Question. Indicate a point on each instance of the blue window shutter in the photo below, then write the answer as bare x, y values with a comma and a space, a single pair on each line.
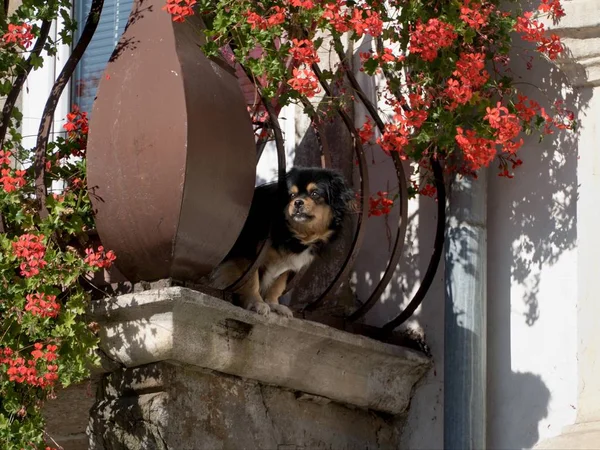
89, 70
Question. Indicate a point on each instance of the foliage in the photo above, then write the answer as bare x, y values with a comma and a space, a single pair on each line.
449, 94
45, 341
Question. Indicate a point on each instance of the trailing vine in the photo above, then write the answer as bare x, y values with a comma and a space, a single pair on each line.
45, 249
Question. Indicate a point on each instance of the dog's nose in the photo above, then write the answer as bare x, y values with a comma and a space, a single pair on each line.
298, 203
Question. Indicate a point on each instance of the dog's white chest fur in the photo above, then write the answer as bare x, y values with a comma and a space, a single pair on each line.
293, 262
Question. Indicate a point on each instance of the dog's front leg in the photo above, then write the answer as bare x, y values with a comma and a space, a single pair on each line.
250, 297
274, 292
249, 293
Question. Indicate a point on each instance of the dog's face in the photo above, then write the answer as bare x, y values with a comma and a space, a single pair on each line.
318, 199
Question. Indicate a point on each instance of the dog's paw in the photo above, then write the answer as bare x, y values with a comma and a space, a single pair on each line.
282, 310
259, 307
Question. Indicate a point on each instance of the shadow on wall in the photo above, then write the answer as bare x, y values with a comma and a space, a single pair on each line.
531, 224
521, 398
115, 420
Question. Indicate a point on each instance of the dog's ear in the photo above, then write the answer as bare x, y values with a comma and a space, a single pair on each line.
341, 197
341, 191
353, 204
291, 175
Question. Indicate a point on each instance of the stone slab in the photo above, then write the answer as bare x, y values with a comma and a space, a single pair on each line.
579, 30
185, 326
164, 406
582, 436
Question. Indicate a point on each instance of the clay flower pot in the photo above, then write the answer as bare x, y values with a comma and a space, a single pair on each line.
171, 154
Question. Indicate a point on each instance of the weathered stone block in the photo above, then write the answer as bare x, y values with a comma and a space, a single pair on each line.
67, 416
165, 406
179, 324
198, 372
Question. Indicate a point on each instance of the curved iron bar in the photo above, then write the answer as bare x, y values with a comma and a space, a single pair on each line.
260, 147
438, 240
403, 192
326, 162
319, 131
13, 95
281, 172
435, 257
364, 188
59, 85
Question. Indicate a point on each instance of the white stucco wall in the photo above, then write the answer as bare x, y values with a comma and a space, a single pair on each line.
534, 280
37, 89
532, 298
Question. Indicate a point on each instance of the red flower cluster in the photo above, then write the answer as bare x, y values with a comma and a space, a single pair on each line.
306, 4
396, 134
504, 172
477, 151
39, 353
475, 14
427, 39
100, 258
534, 31
506, 127
380, 204
366, 132
77, 128
5, 157
386, 57
470, 69
12, 180
31, 249
19, 34
553, 7
525, 111
470, 74
333, 14
366, 22
180, 9
278, 16
305, 82
457, 94
257, 21
304, 52
428, 190
360, 20
394, 139
42, 305
35, 371
551, 46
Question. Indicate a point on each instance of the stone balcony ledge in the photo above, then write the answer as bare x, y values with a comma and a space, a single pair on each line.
179, 325
579, 30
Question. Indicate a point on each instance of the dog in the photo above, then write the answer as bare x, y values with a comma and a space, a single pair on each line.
296, 224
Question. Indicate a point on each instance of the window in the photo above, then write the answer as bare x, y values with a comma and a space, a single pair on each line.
89, 70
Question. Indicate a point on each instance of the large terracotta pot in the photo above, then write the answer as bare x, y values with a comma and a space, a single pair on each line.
171, 155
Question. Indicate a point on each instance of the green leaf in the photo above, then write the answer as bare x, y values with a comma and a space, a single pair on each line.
36, 61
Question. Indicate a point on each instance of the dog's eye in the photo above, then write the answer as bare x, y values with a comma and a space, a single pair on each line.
314, 194
293, 195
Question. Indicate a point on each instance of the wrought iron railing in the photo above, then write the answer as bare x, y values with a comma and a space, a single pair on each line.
355, 246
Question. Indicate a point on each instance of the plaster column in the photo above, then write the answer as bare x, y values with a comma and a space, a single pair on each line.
580, 31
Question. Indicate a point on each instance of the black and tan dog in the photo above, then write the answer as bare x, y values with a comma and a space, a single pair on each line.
298, 224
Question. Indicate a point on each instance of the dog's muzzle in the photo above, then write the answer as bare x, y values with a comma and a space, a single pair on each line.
299, 215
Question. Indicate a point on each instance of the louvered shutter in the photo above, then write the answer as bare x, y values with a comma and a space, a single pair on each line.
89, 70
